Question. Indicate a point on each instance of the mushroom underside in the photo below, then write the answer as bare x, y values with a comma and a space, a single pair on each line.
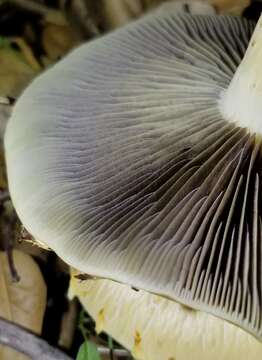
132, 172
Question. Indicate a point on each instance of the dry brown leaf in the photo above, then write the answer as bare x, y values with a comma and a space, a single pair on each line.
27, 53
23, 302
15, 73
56, 18
234, 7
58, 40
68, 325
119, 12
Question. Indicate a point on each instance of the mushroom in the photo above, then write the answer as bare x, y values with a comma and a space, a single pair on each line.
156, 328
137, 158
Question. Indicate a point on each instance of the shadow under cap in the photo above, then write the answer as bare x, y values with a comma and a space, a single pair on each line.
120, 160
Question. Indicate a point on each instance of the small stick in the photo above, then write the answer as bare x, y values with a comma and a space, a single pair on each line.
24, 341
117, 352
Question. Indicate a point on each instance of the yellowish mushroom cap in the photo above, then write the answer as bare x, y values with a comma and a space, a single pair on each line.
155, 328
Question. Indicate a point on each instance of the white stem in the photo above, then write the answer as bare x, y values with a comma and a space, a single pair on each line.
241, 103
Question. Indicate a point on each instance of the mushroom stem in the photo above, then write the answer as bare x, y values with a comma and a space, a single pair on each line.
241, 103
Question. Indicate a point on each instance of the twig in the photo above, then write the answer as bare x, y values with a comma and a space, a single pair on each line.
117, 352
24, 341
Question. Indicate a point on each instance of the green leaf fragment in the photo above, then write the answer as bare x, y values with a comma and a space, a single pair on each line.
88, 351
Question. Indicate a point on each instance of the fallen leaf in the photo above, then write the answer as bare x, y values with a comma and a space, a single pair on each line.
22, 302
233, 7
27, 53
119, 12
15, 73
58, 40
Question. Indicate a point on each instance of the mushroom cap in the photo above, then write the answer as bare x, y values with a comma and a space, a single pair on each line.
120, 159
154, 328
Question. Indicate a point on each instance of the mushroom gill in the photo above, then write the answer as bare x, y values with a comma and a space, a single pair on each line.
122, 159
